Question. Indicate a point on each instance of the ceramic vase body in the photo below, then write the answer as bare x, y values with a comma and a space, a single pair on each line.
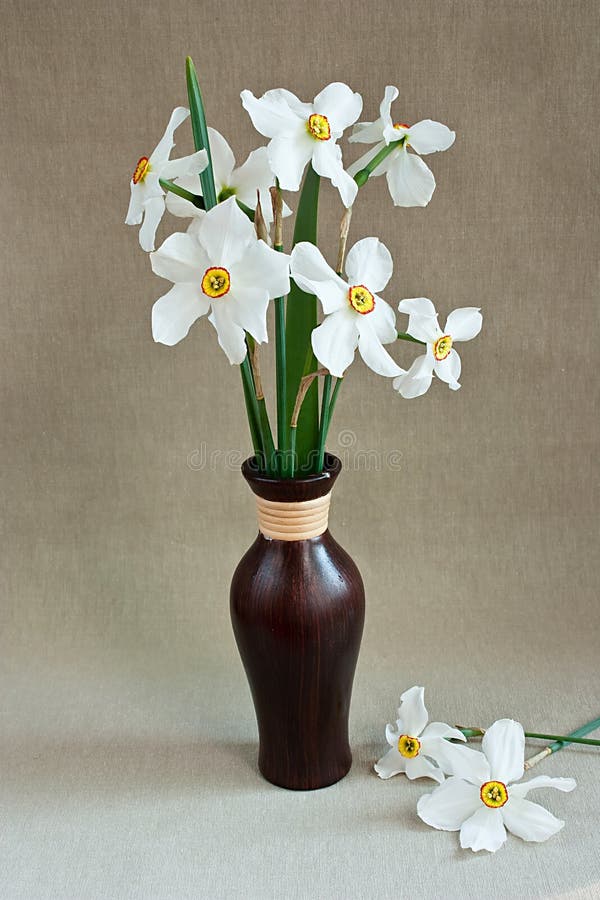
297, 609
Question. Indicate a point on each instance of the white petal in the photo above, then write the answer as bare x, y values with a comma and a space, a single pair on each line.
530, 821
417, 380
372, 351
223, 160
464, 324
247, 307
180, 259
428, 136
177, 206
272, 114
410, 181
369, 263
231, 336
288, 157
392, 734
448, 370
383, 320
255, 174
541, 781
365, 159
263, 268
484, 830
185, 165
153, 212
393, 763
327, 161
449, 805
335, 340
370, 132
339, 104
175, 313
312, 273
420, 306
419, 767
448, 756
504, 746
300, 108
412, 711
166, 143
135, 210
466, 763
441, 730
226, 232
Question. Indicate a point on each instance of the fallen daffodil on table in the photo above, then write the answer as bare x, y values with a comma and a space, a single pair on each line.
409, 178
483, 796
147, 200
418, 749
440, 356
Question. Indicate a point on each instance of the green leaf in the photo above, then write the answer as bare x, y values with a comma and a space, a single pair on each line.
200, 132
301, 319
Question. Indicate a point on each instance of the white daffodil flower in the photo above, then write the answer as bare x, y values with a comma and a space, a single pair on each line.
223, 268
410, 181
417, 749
147, 199
241, 183
306, 132
440, 356
481, 799
354, 315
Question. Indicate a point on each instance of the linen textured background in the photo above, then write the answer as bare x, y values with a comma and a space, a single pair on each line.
127, 735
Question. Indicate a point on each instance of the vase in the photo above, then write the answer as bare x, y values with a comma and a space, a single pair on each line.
297, 609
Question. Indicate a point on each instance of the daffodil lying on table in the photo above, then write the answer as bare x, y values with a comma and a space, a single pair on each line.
229, 263
479, 793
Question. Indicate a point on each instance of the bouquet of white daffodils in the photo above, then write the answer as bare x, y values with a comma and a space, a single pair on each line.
231, 262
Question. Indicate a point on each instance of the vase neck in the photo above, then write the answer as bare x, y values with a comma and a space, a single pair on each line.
293, 521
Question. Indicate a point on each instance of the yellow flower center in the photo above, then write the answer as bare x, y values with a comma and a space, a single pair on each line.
318, 127
141, 170
442, 347
408, 746
494, 794
400, 125
361, 299
216, 282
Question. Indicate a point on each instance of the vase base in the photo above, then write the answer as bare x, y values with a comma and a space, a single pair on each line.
314, 783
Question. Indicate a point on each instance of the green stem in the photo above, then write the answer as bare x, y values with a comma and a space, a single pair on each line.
561, 739
363, 176
291, 457
200, 132
404, 336
280, 360
267, 434
252, 410
181, 192
324, 424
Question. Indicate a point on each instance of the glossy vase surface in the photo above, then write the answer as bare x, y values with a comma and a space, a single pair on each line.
297, 609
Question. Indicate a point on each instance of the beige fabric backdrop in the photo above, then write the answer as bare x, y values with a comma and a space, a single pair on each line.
127, 737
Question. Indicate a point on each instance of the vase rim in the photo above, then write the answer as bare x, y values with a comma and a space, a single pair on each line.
271, 487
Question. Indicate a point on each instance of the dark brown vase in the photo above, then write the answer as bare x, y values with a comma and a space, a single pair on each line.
297, 608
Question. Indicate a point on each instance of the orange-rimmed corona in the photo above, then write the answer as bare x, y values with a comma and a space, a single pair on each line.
141, 170
408, 746
400, 125
216, 282
361, 299
494, 794
442, 347
318, 127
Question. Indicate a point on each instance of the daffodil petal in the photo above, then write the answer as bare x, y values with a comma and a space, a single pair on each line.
340, 104
313, 274
529, 821
135, 210
441, 730
484, 830
410, 180
174, 314
185, 165
166, 143
504, 746
448, 370
222, 158
263, 268
464, 324
255, 174
417, 380
428, 136
466, 763
288, 157
232, 339
393, 763
271, 114
180, 258
153, 213
420, 306
449, 805
541, 781
335, 340
383, 321
327, 161
372, 351
177, 206
226, 233
365, 159
369, 262
412, 711
248, 309
420, 767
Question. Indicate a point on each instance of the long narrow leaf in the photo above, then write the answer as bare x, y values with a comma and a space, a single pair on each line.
200, 132
301, 319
